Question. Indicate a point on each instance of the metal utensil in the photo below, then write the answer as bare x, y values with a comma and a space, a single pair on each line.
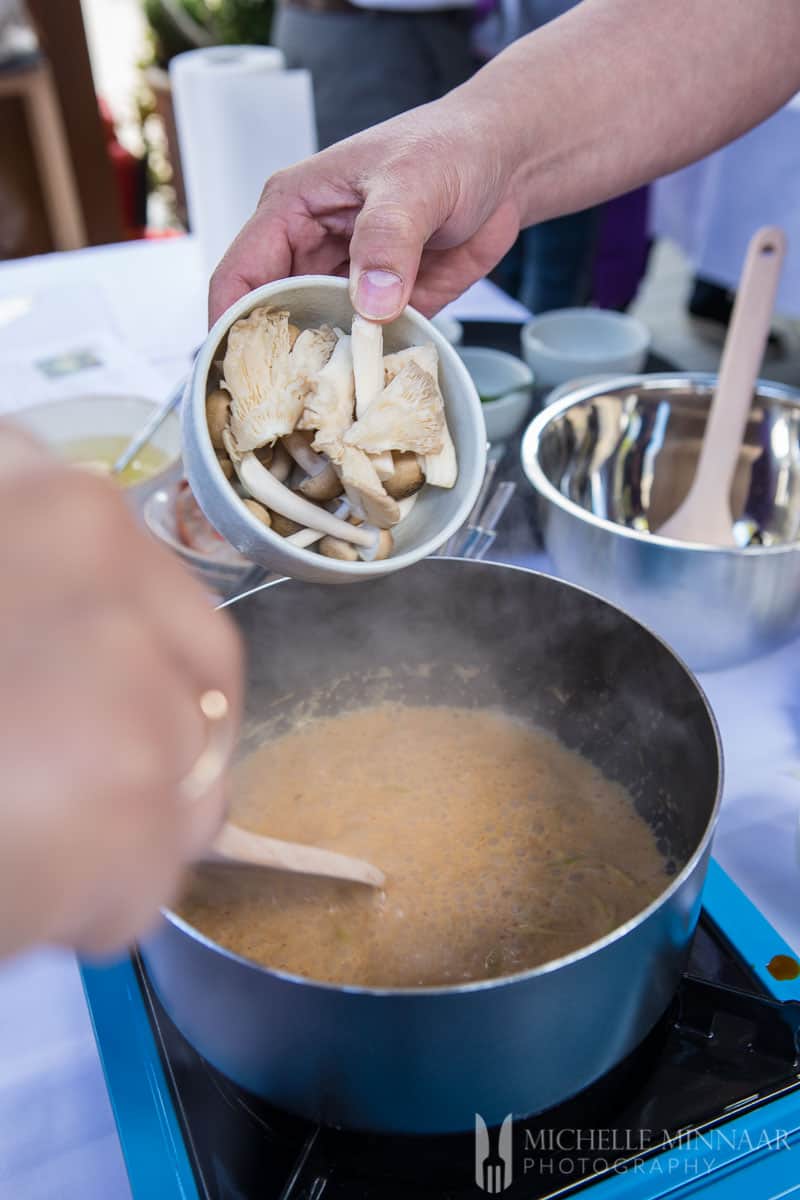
704, 516
482, 534
449, 547
148, 431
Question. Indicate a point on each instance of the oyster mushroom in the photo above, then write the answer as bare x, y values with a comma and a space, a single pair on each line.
363, 488
441, 468
266, 402
329, 404
310, 353
407, 476
408, 415
425, 356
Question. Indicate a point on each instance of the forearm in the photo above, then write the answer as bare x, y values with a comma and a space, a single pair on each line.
619, 92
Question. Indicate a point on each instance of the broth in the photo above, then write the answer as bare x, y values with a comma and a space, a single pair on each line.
502, 849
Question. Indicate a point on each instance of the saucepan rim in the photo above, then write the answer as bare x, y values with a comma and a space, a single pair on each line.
534, 472
552, 965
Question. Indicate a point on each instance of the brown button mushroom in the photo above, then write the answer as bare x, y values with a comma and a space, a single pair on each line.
407, 477
258, 511
217, 407
333, 547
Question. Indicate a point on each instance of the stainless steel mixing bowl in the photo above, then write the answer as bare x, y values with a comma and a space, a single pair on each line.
610, 461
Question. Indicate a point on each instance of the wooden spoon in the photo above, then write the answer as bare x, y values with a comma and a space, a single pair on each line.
705, 513
236, 845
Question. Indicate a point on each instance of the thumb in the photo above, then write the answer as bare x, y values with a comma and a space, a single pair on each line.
385, 251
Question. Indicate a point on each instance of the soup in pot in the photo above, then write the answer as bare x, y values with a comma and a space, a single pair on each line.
502, 850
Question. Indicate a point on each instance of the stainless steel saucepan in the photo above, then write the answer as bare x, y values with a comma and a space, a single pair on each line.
427, 1059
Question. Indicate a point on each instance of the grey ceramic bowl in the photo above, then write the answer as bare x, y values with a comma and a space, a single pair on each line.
438, 513
613, 459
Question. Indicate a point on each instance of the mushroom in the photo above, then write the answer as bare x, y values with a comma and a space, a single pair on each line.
367, 343
312, 351
383, 548
262, 485
329, 405
321, 482
266, 402
325, 485
217, 407
407, 477
333, 547
281, 462
406, 505
408, 415
265, 454
225, 465
294, 334
258, 511
283, 526
425, 356
441, 469
363, 488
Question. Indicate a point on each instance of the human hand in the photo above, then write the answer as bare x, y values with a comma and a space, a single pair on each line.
413, 210
107, 645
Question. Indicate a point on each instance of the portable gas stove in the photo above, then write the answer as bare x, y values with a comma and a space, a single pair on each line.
710, 1102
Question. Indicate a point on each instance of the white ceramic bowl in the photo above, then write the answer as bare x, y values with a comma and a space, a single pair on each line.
439, 512
224, 579
106, 415
494, 372
572, 342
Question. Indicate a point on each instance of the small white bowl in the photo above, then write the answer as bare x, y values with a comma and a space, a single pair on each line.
574, 342
59, 422
494, 372
314, 300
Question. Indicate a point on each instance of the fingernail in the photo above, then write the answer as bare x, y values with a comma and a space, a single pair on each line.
379, 294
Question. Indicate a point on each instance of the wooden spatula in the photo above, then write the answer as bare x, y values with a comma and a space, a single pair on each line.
705, 513
235, 845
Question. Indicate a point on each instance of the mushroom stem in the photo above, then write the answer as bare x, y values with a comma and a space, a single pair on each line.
264, 487
298, 446
281, 464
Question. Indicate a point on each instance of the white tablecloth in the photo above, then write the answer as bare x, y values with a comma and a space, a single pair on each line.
713, 208
57, 1139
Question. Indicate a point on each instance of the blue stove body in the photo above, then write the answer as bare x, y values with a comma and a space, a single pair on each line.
751, 1152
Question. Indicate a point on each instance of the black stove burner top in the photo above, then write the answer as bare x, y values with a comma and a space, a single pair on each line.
724, 1046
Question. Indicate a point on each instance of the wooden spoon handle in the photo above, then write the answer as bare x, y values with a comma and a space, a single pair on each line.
234, 844
741, 360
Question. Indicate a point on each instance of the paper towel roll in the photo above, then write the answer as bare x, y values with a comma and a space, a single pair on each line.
240, 116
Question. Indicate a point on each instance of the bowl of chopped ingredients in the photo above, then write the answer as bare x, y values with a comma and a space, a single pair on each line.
174, 517
327, 447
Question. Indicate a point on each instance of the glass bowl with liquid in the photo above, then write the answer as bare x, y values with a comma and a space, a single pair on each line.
92, 431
